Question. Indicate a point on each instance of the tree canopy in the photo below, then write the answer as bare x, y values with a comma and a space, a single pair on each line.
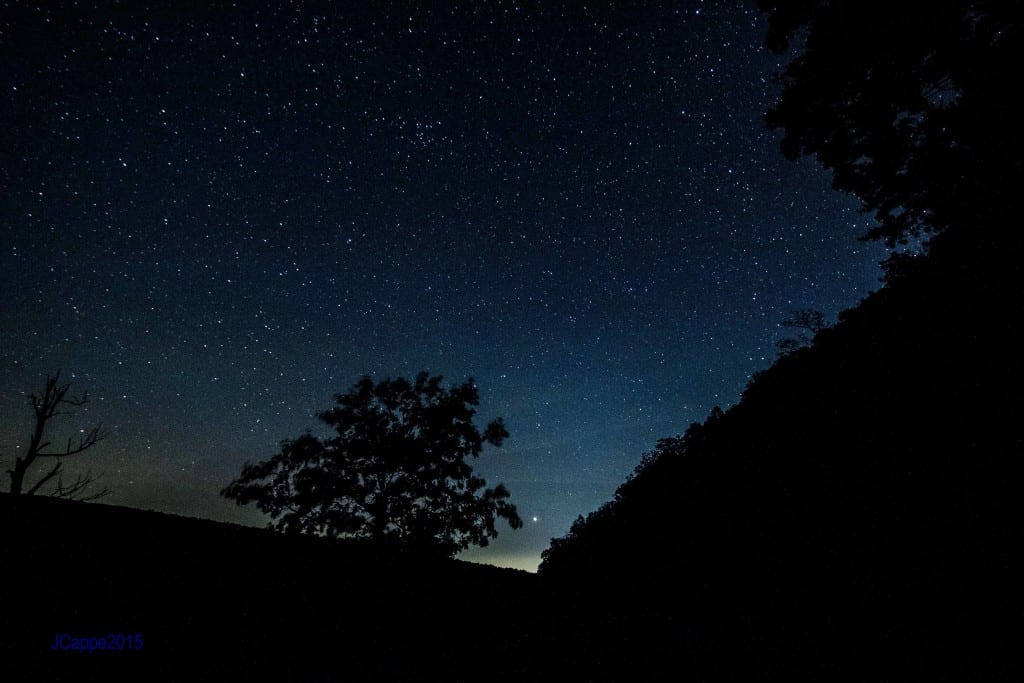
860, 503
395, 472
911, 105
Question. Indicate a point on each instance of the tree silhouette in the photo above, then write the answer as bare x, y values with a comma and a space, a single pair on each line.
807, 322
910, 106
395, 473
874, 478
46, 407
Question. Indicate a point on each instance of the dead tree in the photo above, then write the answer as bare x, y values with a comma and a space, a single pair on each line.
809, 322
46, 407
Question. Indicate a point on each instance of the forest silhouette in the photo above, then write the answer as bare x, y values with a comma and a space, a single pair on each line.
856, 515
858, 512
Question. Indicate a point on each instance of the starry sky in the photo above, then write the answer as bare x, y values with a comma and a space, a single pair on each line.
216, 218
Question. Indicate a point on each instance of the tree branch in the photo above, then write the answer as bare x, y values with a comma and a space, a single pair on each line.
72, 490
95, 435
47, 477
45, 407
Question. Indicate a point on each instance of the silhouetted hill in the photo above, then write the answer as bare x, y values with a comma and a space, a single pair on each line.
216, 601
857, 514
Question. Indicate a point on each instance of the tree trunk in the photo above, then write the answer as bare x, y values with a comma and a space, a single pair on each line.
18, 475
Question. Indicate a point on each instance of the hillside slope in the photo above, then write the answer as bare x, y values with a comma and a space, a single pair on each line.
218, 601
858, 512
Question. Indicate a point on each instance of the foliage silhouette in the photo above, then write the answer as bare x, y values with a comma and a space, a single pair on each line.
46, 407
911, 106
396, 472
857, 514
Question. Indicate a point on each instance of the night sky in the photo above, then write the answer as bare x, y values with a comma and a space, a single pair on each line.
216, 220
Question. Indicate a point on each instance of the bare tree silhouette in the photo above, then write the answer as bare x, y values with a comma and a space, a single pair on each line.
808, 322
46, 407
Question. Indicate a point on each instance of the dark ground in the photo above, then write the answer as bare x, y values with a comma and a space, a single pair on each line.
216, 601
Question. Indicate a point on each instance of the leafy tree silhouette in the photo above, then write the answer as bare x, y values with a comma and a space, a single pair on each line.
395, 473
46, 407
910, 106
872, 479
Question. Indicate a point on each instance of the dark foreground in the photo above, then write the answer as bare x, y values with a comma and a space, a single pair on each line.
859, 515
213, 601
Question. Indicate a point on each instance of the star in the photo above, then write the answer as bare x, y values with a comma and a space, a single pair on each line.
517, 202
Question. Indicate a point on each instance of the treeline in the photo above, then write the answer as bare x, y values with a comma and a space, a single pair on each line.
858, 513
861, 503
